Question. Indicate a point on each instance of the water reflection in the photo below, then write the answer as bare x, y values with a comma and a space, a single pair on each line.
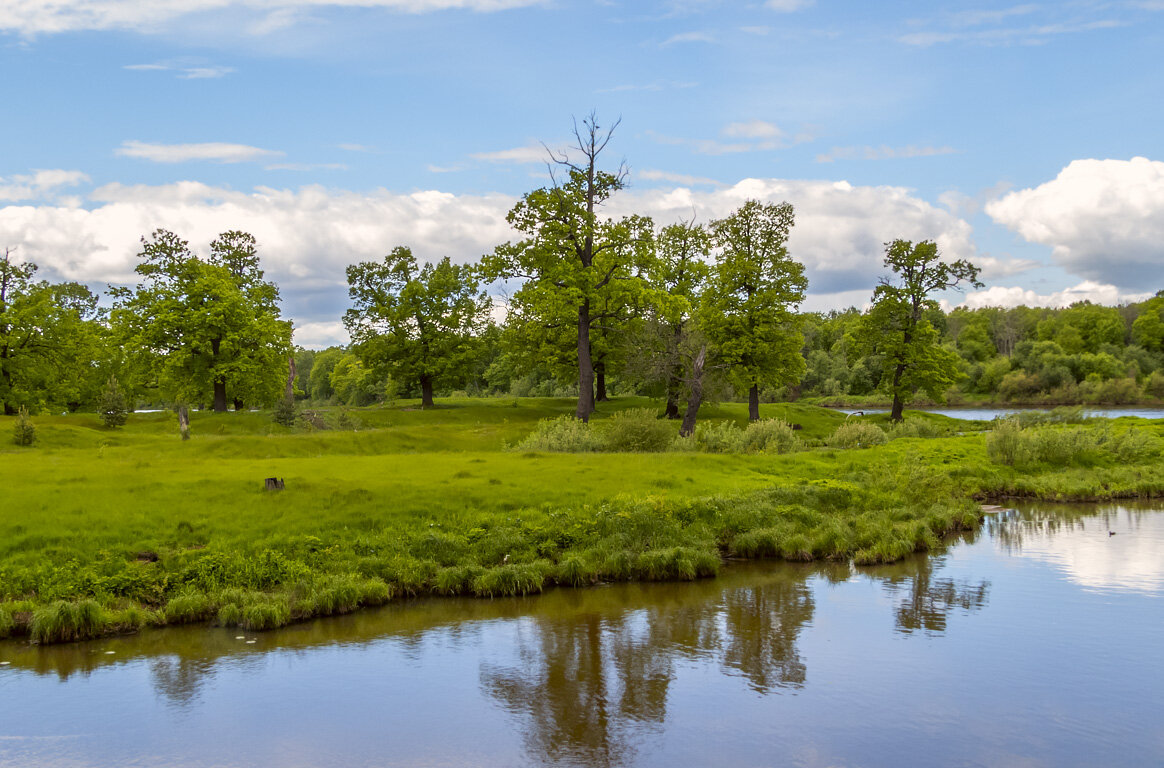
925, 600
590, 677
1107, 548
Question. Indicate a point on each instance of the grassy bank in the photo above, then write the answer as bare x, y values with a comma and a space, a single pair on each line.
107, 531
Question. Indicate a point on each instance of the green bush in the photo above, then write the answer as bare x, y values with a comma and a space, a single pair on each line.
1006, 443
914, 428
637, 431
857, 434
770, 436
114, 409
564, 434
719, 437
24, 431
286, 412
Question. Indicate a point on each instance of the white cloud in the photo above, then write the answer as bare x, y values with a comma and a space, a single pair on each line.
753, 129
318, 335
357, 148
530, 153
687, 37
181, 153
882, 153
204, 73
31, 17
1036, 34
1103, 219
307, 236
840, 231
1014, 296
748, 136
787, 6
38, 185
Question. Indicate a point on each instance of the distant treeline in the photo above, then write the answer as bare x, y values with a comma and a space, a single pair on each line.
686, 312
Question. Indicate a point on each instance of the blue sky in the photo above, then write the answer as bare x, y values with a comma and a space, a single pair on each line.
338, 129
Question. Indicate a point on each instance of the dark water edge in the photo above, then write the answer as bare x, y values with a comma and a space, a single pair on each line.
1032, 642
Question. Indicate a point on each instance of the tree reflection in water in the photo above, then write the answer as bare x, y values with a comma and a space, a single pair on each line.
926, 601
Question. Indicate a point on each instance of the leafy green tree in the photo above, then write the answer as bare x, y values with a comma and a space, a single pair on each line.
50, 340
324, 363
580, 271
1148, 327
205, 329
897, 326
749, 311
417, 323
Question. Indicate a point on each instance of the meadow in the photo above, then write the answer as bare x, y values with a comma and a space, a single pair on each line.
110, 530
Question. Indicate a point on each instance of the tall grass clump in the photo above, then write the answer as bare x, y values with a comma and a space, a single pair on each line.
1007, 443
719, 437
1064, 414
564, 434
914, 428
637, 431
190, 608
23, 430
7, 623
63, 622
857, 434
770, 436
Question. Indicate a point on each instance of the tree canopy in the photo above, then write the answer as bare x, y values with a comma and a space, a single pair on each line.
204, 329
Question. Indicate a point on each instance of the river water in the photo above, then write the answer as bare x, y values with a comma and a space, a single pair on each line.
1035, 642
986, 413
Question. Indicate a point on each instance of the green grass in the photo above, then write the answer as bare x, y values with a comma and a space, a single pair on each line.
106, 531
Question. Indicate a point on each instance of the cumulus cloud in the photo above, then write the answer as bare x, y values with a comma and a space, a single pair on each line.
307, 236
31, 17
840, 230
1014, 296
39, 185
215, 151
1103, 219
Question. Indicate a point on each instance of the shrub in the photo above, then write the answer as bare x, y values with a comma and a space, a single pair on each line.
114, 409
24, 431
719, 437
857, 434
770, 436
637, 431
286, 412
1154, 386
564, 434
914, 428
1006, 443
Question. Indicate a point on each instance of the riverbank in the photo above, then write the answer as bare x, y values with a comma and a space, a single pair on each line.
110, 531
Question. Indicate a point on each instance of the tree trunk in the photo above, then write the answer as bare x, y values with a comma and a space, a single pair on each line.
291, 371
694, 396
585, 365
898, 403
184, 422
238, 404
220, 396
674, 378
600, 382
754, 403
426, 392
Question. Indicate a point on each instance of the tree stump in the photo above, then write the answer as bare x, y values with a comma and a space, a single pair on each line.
274, 483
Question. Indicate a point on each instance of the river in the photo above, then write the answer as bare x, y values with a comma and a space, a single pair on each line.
1034, 642
986, 413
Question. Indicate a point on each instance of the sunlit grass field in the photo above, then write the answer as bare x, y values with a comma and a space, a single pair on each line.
108, 530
